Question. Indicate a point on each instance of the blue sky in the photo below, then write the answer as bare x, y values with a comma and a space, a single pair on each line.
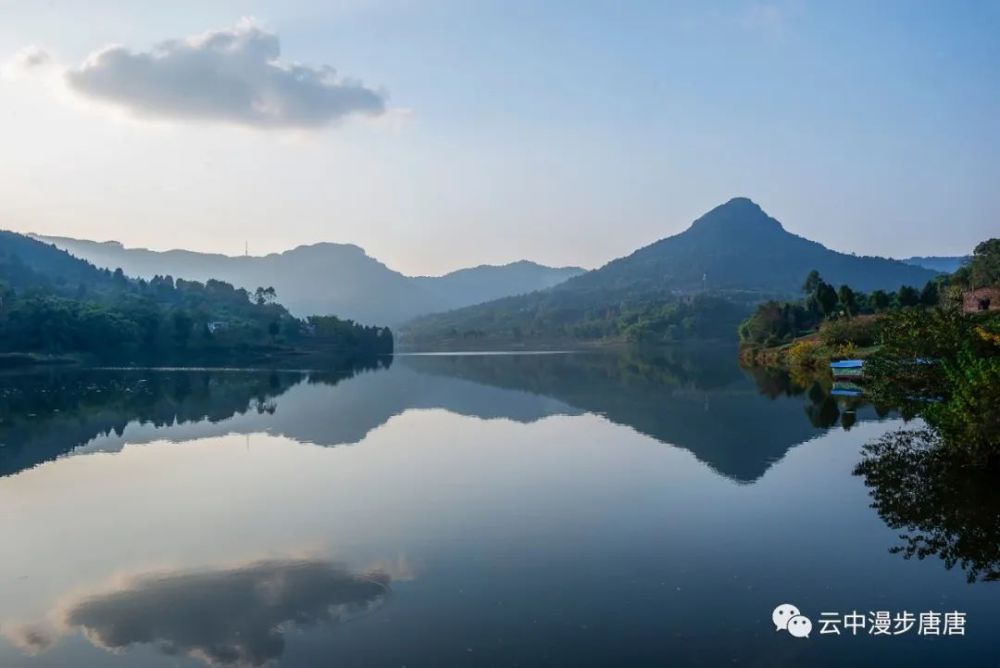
564, 132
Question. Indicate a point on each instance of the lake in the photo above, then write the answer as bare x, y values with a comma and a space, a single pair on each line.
590, 509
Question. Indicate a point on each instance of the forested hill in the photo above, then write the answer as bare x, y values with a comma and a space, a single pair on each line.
28, 263
54, 303
329, 278
738, 247
695, 284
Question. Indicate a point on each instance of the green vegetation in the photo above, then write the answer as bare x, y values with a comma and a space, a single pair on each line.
937, 485
983, 269
830, 322
565, 318
830, 312
945, 367
693, 285
55, 304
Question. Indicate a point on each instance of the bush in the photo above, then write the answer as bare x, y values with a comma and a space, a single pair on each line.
803, 354
861, 331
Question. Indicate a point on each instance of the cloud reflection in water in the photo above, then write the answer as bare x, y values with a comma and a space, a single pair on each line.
234, 616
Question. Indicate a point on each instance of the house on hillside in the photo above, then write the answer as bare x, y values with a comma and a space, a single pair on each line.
981, 299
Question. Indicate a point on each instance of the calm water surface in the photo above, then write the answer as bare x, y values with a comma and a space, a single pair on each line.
576, 510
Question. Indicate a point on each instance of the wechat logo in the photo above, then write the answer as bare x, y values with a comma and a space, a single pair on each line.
786, 617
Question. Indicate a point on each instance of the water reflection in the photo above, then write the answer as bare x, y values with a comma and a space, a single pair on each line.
232, 616
943, 507
564, 509
693, 398
46, 414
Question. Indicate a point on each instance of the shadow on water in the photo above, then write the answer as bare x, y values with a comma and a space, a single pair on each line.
698, 399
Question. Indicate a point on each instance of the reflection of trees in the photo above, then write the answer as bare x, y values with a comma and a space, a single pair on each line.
940, 484
824, 409
773, 382
945, 507
331, 375
47, 414
682, 367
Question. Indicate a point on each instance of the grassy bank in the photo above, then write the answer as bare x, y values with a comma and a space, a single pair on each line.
807, 353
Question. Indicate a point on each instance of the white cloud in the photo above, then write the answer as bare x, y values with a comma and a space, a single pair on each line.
233, 76
26, 61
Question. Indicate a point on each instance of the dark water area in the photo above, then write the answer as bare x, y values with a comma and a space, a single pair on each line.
585, 509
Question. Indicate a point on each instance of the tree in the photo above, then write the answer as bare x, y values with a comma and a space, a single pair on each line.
273, 329
183, 326
827, 298
264, 296
908, 296
812, 282
6, 295
880, 300
847, 299
984, 268
929, 296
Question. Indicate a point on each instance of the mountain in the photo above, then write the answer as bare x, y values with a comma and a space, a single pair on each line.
675, 288
943, 263
28, 263
56, 304
738, 247
488, 282
328, 278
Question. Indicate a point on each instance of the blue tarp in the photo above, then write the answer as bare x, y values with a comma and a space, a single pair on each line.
847, 364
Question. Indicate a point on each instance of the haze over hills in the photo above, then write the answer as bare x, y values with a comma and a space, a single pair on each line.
683, 286
55, 304
947, 264
328, 278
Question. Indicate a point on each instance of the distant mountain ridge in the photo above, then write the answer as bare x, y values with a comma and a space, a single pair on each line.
734, 253
328, 278
947, 264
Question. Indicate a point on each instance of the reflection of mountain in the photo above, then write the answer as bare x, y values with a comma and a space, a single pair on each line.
695, 399
234, 616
